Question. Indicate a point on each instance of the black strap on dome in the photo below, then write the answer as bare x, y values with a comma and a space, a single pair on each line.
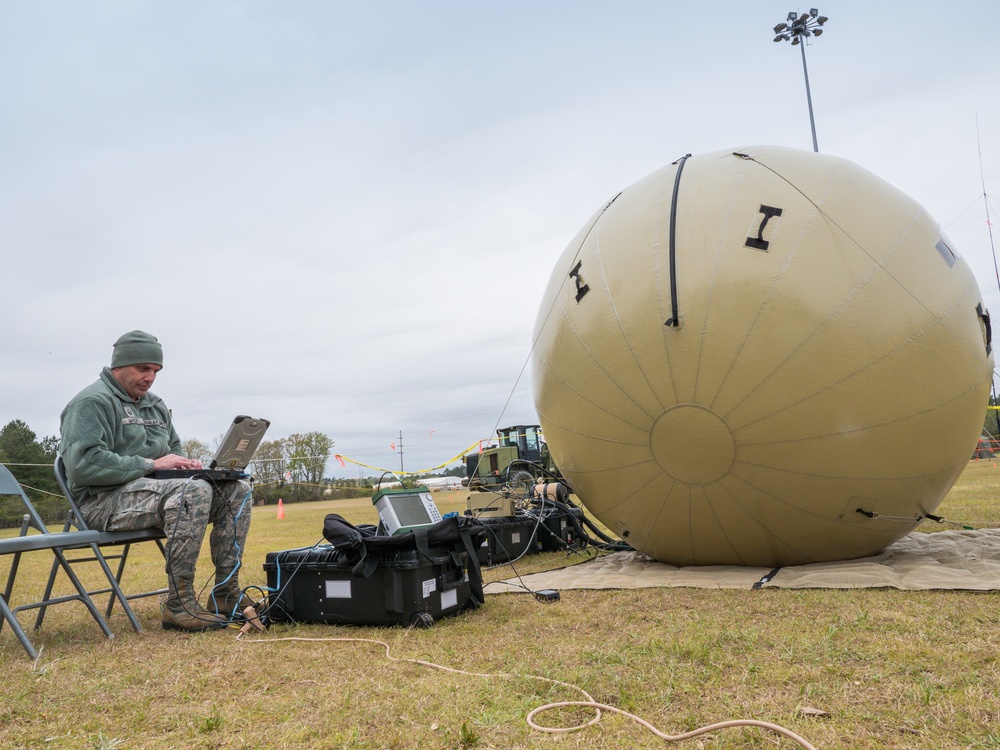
674, 320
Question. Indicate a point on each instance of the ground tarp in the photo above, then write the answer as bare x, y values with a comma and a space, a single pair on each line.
966, 560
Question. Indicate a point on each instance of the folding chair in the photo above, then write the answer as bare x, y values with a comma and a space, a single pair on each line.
122, 539
58, 543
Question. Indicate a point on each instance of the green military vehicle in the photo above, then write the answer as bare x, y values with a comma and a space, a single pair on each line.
521, 457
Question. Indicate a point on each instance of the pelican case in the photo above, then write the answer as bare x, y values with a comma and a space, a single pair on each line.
561, 528
508, 538
363, 578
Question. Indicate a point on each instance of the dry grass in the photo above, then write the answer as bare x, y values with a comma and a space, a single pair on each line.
890, 669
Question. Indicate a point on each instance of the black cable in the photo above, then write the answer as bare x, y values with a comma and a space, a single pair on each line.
538, 467
235, 617
517, 575
183, 505
606, 542
558, 539
674, 319
273, 598
524, 552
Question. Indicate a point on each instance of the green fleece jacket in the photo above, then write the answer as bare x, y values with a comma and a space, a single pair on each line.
106, 437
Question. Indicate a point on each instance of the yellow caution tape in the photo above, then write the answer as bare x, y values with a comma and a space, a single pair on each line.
341, 457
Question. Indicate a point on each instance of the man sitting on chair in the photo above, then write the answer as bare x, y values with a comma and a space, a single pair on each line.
114, 433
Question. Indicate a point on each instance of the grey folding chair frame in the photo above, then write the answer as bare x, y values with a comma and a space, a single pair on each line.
123, 539
58, 543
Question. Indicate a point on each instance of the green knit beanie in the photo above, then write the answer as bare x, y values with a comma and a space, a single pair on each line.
137, 348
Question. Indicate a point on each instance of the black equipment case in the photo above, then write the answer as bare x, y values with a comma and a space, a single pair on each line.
561, 528
549, 527
367, 579
508, 538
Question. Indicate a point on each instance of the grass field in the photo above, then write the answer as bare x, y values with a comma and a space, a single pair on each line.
843, 669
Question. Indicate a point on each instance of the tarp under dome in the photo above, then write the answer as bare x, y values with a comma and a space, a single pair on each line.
967, 560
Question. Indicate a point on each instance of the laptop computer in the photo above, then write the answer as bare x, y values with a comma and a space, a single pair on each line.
233, 456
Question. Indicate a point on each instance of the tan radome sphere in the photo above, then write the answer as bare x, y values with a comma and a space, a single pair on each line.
791, 365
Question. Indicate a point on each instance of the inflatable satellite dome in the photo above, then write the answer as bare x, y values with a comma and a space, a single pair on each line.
761, 357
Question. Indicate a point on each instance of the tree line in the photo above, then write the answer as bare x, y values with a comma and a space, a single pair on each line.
31, 461
991, 425
292, 469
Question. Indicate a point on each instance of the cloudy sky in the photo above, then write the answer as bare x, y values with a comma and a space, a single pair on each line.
341, 216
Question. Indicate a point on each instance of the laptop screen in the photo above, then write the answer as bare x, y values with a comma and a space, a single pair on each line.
240, 443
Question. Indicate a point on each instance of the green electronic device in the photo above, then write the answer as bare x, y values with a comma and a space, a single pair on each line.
402, 510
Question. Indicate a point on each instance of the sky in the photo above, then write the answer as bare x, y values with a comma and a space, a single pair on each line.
341, 216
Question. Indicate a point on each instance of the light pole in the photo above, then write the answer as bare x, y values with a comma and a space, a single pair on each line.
798, 29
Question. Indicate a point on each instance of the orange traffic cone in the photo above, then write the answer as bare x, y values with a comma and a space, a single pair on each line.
281, 509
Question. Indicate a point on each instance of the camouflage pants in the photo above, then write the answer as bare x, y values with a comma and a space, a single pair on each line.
182, 508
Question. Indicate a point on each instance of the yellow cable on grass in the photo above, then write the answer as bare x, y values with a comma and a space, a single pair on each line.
588, 703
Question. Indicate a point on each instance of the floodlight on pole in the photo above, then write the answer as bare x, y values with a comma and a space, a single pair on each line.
796, 29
